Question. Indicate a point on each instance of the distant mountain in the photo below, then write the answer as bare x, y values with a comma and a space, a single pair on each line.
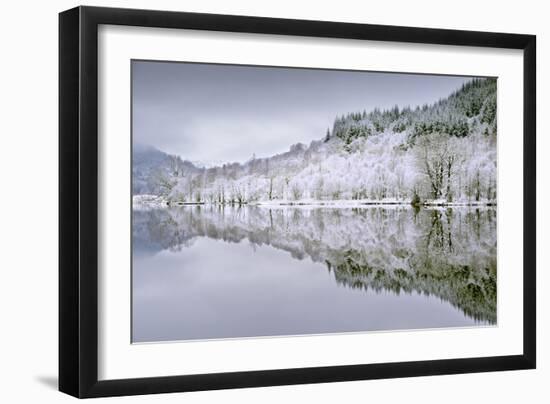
442, 152
155, 172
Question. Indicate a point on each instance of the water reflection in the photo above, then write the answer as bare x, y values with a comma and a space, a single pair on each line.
446, 254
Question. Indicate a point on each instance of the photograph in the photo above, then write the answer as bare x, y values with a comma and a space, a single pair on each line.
272, 201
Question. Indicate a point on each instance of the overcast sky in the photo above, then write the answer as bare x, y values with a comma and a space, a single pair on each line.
225, 113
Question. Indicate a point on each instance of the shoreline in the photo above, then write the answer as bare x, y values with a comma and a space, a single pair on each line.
154, 201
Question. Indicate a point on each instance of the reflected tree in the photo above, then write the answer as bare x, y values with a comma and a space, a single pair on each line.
448, 253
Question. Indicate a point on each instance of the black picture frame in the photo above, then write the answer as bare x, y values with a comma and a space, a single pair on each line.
78, 201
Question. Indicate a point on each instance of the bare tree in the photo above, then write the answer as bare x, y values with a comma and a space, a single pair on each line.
296, 192
270, 192
437, 159
164, 181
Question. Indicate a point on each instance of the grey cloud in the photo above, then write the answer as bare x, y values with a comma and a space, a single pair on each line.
209, 112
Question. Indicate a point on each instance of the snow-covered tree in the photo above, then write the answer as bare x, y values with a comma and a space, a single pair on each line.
440, 153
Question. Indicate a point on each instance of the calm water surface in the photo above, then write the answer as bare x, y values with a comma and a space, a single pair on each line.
202, 272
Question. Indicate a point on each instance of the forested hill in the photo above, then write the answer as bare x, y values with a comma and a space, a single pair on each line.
470, 109
444, 152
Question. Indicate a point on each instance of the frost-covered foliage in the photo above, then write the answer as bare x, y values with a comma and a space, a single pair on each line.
443, 153
449, 253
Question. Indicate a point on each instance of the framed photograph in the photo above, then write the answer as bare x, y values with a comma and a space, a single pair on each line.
251, 201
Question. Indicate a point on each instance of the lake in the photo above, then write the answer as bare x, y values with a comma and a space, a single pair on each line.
212, 271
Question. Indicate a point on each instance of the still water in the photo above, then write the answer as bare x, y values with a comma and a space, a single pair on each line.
202, 272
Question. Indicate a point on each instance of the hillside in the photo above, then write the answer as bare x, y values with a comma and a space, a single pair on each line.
439, 153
